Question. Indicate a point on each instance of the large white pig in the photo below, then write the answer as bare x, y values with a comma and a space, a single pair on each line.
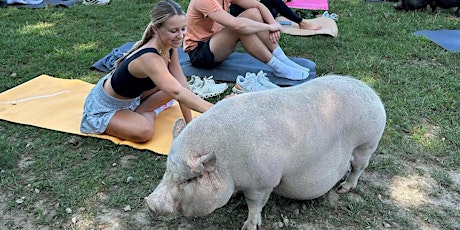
297, 142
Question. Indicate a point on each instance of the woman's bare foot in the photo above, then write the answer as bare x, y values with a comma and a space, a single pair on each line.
308, 25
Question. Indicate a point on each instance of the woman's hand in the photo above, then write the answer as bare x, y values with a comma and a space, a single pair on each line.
274, 32
274, 37
275, 26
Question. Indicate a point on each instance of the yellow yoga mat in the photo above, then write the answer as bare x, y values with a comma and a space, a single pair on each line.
57, 104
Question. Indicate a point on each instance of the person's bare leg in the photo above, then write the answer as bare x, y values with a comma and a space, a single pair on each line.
223, 43
304, 24
274, 49
138, 125
152, 100
129, 125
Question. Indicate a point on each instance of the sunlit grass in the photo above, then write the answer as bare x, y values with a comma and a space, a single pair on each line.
41, 28
411, 182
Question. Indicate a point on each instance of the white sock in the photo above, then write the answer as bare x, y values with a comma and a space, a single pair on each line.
33, 2
279, 53
284, 71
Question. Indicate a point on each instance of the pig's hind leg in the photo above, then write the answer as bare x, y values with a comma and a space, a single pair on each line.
359, 162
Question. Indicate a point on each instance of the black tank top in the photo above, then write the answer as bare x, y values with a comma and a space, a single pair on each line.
127, 85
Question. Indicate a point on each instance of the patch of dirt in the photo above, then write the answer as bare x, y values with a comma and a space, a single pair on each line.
417, 189
109, 219
126, 161
411, 191
12, 218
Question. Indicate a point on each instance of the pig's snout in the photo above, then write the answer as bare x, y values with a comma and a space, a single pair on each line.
161, 205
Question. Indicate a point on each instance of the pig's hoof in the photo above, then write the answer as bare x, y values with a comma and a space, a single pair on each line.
251, 226
344, 187
178, 126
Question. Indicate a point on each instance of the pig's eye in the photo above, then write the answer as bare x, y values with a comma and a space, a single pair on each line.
191, 180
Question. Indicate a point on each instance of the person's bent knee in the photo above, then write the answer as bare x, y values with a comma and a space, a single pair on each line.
252, 13
142, 131
143, 135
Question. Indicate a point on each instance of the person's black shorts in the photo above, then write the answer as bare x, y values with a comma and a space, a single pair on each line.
202, 57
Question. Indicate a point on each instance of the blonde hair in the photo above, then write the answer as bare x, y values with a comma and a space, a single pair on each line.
161, 12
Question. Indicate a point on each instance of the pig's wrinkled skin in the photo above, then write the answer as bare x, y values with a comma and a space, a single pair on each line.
297, 142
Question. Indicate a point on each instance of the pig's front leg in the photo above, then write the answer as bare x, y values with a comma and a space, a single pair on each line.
255, 200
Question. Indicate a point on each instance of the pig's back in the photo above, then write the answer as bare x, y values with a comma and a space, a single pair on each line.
290, 133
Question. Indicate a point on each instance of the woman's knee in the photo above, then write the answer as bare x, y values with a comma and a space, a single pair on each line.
145, 130
144, 134
139, 130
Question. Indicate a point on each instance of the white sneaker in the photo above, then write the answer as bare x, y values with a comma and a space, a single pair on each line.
96, 2
195, 83
34, 2
206, 87
247, 84
210, 88
265, 81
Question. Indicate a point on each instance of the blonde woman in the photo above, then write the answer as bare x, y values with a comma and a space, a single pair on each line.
125, 102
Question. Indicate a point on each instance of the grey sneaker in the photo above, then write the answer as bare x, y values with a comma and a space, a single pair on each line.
247, 84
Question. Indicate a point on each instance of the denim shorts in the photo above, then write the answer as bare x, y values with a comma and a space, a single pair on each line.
202, 57
100, 107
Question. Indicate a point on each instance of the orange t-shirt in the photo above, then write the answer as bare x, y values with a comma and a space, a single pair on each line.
199, 26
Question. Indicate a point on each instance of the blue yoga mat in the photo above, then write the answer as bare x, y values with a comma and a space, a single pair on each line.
236, 64
447, 39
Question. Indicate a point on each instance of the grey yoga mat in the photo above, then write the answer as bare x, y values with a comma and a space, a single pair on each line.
236, 64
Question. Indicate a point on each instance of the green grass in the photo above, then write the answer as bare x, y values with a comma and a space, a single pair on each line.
45, 172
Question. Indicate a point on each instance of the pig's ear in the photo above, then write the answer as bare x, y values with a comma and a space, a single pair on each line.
178, 126
208, 161
203, 163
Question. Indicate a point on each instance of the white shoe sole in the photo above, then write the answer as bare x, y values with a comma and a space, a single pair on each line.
96, 3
